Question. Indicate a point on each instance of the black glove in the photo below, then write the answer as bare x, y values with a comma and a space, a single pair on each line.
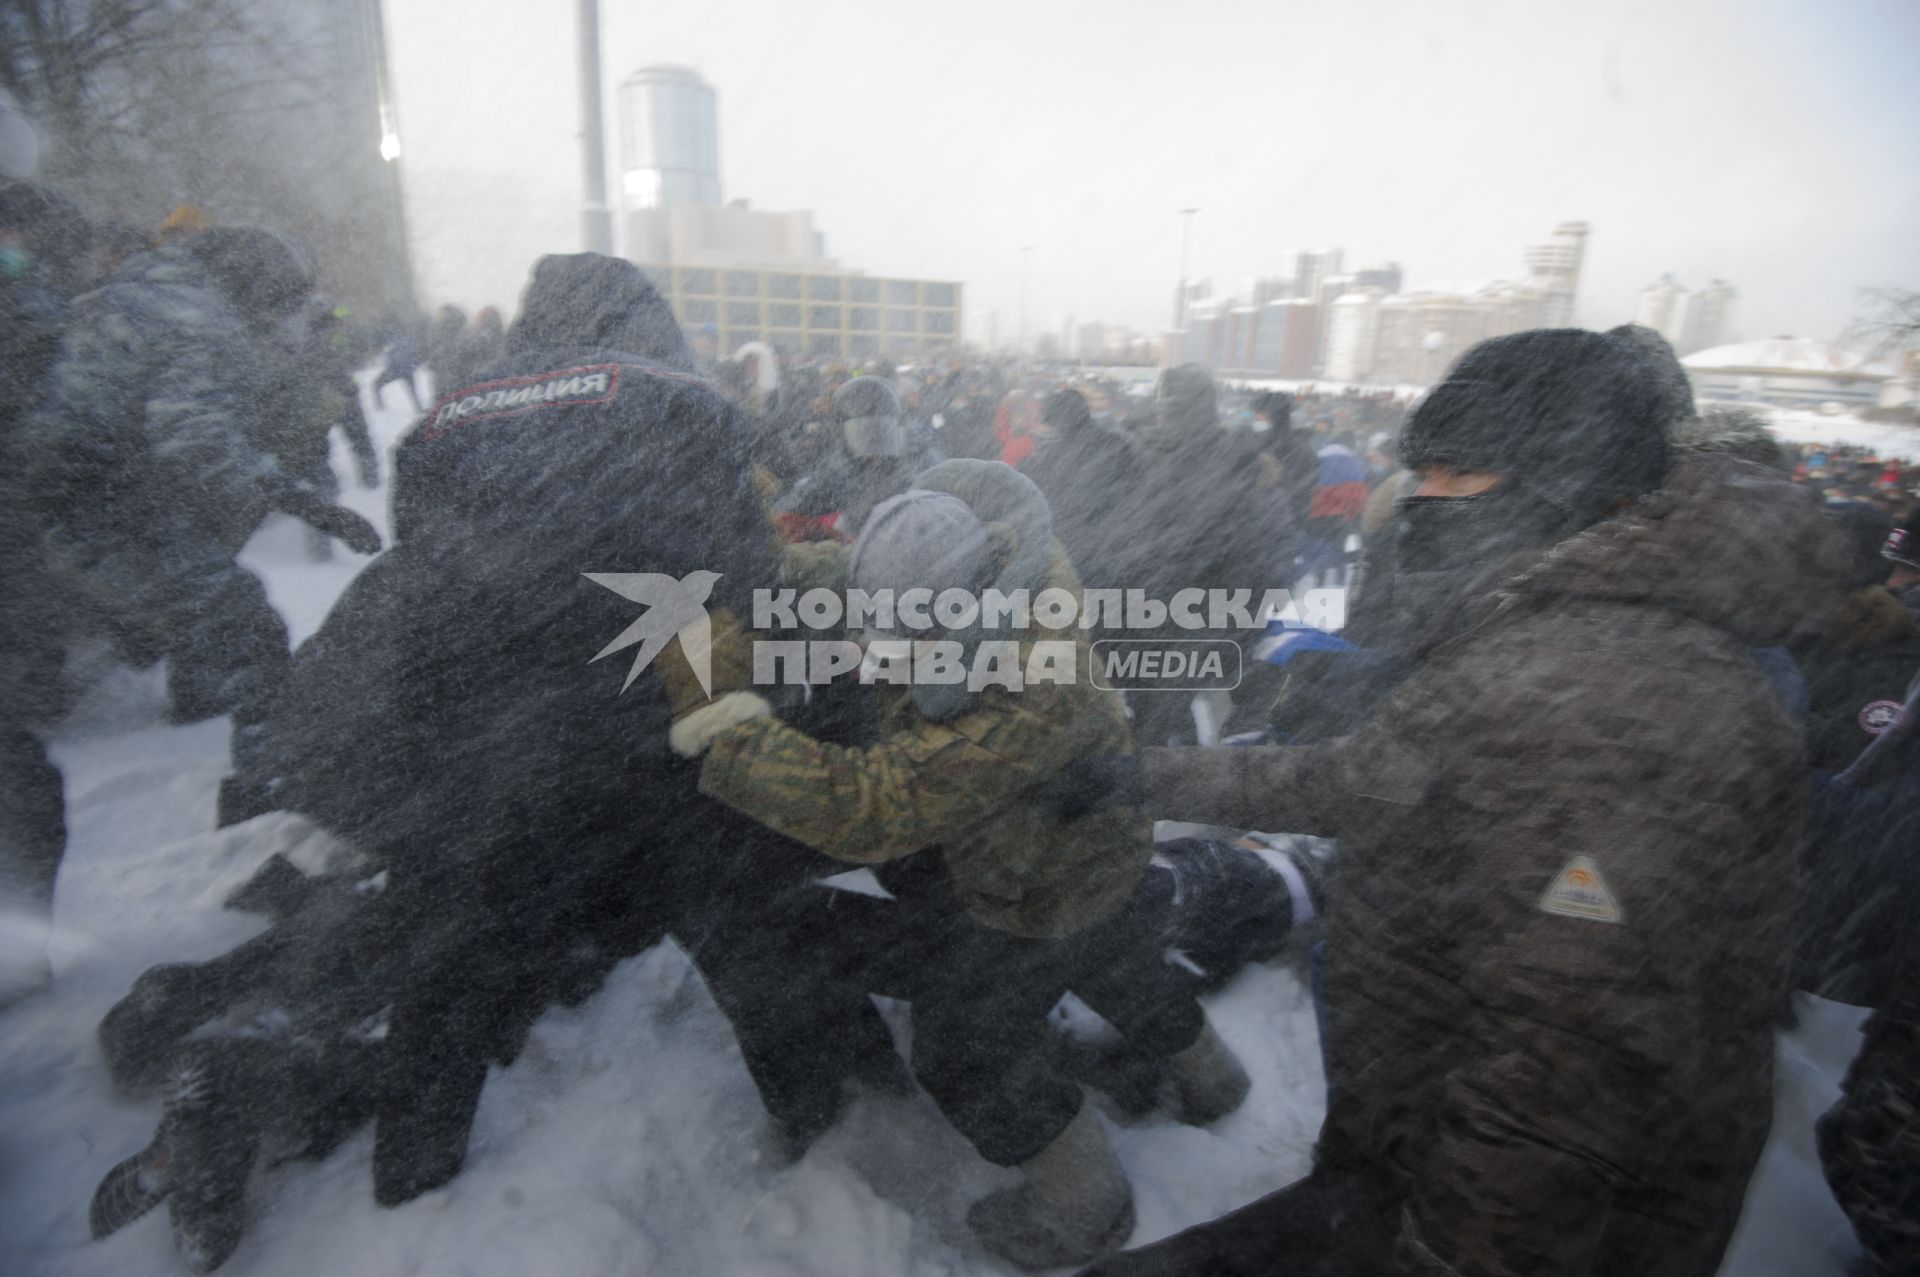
1110, 780
336, 521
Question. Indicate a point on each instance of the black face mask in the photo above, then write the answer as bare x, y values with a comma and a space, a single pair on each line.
1473, 535
1448, 551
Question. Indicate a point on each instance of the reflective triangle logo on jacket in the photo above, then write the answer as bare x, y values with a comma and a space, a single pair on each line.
1578, 891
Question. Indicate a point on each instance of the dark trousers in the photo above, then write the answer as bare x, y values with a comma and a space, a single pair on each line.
981, 1000
803, 1029
232, 657
33, 827
1340, 1221
741, 902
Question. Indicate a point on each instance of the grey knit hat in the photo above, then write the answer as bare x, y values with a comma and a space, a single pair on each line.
921, 540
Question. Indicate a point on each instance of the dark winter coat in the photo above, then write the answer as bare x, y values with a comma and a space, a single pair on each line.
1566, 1063
1910, 600
1197, 517
1289, 466
1869, 1142
1857, 673
32, 313
1088, 476
448, 715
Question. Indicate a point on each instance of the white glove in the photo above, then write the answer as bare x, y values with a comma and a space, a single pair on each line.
695, 731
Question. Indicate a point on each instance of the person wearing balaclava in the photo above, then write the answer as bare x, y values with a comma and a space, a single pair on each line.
1010, 901
1557, 936
866, 463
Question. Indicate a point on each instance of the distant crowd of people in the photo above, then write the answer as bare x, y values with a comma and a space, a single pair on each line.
1614, 751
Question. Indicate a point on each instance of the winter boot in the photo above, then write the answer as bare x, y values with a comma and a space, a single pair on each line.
1208, 1079
129, 1191
208, 1138
1131, 1078
1075, 1206
138, 1034
1334, 1223
420, 1135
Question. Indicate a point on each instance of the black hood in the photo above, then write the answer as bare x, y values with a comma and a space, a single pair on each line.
261, 273
599, 303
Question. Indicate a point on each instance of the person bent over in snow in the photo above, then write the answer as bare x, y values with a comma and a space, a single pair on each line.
1024, 901
525, 800
1557, 942
272, 1049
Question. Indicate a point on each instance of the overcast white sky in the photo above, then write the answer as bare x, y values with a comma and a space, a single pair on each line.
1768, 142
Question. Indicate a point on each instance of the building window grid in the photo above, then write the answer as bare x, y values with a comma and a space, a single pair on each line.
696, 294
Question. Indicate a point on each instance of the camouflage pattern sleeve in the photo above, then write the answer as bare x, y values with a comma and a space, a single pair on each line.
919, 786
815, 565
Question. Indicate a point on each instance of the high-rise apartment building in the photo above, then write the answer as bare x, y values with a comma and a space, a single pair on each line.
1361, 327
1311, 270
1662, 306
1689, 321
1709, 320
1553, 266
1352, 327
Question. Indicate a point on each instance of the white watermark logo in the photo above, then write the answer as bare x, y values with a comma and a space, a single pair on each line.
673, 608
1010, 639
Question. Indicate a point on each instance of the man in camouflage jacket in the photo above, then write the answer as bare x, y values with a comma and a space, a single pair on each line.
1558, 936
947, 783
1025, 901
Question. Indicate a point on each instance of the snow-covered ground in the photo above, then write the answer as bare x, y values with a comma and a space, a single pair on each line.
1885, 439
627, 1137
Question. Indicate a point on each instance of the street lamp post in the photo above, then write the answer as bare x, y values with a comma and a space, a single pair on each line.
1186, 242
1026, 256
1026, 253
596, 219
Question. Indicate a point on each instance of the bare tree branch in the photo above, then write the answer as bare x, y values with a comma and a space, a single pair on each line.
1887, 323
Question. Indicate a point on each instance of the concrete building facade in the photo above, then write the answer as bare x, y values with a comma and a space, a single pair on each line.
826, 313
